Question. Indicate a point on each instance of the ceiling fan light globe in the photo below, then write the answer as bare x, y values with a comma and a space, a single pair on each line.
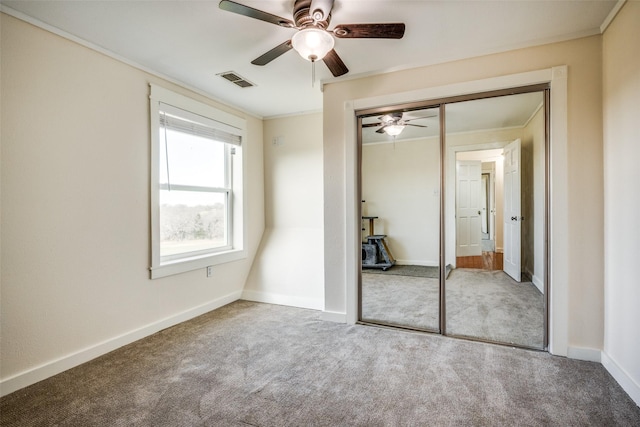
394, 130
312, 44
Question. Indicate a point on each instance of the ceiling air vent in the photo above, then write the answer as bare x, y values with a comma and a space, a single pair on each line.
236, 79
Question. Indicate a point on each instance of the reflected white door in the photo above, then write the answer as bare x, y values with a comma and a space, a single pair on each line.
512, 210
468, 207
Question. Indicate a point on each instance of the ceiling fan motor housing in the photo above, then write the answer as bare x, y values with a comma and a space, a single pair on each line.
302, 16
391, 118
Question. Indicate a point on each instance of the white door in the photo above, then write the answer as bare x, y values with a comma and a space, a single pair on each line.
512, 210
468, 207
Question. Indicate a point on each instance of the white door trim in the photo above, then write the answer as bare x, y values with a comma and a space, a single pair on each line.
558, 184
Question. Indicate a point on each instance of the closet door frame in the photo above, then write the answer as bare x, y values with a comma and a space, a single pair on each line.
441, 103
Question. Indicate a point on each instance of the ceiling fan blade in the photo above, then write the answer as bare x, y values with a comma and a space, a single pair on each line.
335, 64
421, 117
418, 126
273, 53
371, 125
231, 6
369, 31
320, 9
381, 130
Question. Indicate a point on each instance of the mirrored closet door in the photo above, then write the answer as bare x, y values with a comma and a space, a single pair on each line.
400, 218
495, 219
454, 202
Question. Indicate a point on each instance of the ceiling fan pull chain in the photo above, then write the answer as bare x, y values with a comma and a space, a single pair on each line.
313, 73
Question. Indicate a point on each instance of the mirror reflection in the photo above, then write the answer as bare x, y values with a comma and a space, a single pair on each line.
400, 189
495, 221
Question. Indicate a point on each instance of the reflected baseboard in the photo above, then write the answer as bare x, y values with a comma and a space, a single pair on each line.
427, 263
537, 281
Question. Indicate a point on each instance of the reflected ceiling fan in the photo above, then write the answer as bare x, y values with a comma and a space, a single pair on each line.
314, 41
394, 123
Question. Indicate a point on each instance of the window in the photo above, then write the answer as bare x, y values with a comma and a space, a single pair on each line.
196, 182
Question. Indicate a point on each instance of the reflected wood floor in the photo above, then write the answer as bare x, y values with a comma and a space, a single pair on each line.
486, 261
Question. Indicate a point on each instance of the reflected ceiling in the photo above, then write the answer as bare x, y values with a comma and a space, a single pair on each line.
510, 111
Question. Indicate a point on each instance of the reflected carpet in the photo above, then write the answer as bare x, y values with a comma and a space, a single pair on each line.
481, 304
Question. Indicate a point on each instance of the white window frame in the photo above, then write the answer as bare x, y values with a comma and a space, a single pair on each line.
236, 215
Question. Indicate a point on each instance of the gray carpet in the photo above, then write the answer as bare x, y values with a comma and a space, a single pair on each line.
480, 304
251, 364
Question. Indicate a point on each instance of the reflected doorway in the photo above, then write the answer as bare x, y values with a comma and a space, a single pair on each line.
488, 256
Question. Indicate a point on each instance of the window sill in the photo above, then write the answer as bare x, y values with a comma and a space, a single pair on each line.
189, 264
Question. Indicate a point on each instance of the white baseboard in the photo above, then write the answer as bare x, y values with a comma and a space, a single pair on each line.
54, 367
334, 316
538, 283
625, 380
581, 353
292, 301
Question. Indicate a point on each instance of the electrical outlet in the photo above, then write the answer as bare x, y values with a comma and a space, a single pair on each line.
210, 271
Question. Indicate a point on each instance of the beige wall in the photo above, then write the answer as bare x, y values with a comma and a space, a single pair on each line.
401, 186
584, 258
621, 65
75, 209
289, 265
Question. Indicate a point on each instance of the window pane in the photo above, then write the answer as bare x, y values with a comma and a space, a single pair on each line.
193, 160
192, 221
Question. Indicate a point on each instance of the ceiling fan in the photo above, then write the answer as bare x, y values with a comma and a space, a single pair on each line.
393, 123
314, 41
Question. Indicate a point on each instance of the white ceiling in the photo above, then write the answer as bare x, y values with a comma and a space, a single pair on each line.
192, 41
